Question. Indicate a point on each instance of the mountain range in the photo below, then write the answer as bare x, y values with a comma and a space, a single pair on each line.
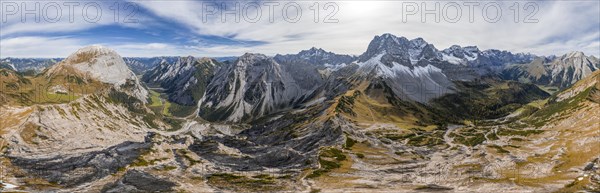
560, 71
403, 116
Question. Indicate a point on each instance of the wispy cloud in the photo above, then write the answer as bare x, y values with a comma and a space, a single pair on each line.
184, 28
51, 17
36, 46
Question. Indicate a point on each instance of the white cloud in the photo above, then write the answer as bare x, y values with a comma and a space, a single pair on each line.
34, 46
45, 47
563, 26
149, 49
72, 16
359, 21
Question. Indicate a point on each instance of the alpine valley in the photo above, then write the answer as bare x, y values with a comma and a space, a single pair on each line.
404, 116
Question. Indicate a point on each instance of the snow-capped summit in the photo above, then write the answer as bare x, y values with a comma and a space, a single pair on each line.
12, 66
399, 50
418, 42
417, 83
105, 65
499, 57
313, 51
471, 49
411, 52
6, 64
458, 55
474, 57
406, 66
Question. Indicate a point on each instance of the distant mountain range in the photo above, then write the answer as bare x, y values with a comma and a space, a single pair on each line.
560, 71
253, 85
139, 65
26, 64
185, 79
456, 62
413, 70
403, 116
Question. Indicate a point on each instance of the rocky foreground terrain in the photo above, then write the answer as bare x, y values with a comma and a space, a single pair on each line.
402, 117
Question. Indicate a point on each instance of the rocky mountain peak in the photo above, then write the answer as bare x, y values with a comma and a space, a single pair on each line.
95, 49
577, 58
399, 50
206, 60
253, 86
574, 54
7, 65
104, 65
419, 42
313, 52
561, 71
458, 51
190, 58
471, 49
252, 59
252, 56
90, 54
101, 63
452, 48
387, 42
456, 54
315, 49
391, 40
314, 57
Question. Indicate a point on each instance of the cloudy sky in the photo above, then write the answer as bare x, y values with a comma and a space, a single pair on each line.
210, 28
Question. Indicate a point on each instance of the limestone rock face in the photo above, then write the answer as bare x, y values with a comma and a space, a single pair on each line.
105, 65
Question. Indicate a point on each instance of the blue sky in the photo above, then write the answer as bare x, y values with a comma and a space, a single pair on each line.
179, 28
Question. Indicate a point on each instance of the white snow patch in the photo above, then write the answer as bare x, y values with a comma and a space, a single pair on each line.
471, 58
397, 69
12, 66
451, 59
425, 70
371, 62
8, 186
335, 67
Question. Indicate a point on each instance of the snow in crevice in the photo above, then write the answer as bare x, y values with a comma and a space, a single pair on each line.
12, 66
372, 62
471, 58
397, 69
419, 83
335, 67
452, 59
